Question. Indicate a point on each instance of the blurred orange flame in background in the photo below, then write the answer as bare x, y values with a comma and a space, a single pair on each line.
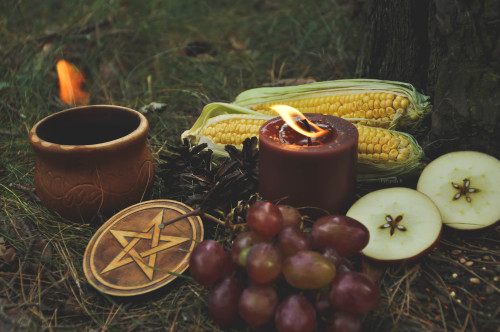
70, 81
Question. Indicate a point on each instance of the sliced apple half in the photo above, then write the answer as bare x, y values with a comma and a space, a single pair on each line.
404, 224
465, 185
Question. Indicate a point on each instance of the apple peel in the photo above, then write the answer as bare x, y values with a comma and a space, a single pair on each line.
404, 224
465, 185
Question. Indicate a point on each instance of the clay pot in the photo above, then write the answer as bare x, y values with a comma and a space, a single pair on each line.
92, 160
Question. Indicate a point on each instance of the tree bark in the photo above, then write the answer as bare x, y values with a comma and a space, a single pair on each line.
450, 51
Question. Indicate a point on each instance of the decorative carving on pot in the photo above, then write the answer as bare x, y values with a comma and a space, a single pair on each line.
92, 160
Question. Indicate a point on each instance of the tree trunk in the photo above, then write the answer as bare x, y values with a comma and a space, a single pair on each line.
449, 50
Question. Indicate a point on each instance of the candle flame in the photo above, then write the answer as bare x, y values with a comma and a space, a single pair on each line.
290, 115
70, 81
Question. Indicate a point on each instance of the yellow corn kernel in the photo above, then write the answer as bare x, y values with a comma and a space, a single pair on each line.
362, 147
404, 103
396, 103
223, 138
401, 158
392, 144
393, 154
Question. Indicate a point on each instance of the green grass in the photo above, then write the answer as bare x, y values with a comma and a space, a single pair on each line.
133, 53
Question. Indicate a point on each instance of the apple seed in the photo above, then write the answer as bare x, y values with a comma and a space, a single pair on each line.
393, 224
464, 190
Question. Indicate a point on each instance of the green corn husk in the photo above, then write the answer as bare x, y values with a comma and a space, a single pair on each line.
405, 120
369, 170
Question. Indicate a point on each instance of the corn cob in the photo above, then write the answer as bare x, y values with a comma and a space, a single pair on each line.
384, 153
381, 152
385, 104
220, 124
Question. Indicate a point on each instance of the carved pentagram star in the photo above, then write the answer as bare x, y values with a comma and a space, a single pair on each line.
129, 254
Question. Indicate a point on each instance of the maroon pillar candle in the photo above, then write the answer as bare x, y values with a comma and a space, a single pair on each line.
318, 172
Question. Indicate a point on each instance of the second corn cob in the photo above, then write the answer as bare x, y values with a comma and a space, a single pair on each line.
382, 153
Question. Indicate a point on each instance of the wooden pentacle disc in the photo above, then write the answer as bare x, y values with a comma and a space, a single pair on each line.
137, 251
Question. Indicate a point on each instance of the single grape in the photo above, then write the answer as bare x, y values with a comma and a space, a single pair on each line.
223, 301
264, 262
207, 262
354, 292
295, 314
264, 218
291, 240
344, 322
257, 304
342, 233
245, 240
291, 216
308, 270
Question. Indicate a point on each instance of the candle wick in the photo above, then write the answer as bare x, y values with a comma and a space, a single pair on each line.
308, 128
306, 123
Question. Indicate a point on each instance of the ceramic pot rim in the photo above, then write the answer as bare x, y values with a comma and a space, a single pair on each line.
138, 133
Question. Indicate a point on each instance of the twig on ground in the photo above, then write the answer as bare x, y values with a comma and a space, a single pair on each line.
27, 190
13, 110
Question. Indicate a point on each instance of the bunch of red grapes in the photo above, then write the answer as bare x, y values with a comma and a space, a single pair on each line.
280, 276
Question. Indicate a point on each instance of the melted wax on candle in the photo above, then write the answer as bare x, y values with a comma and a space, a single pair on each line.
288, 135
